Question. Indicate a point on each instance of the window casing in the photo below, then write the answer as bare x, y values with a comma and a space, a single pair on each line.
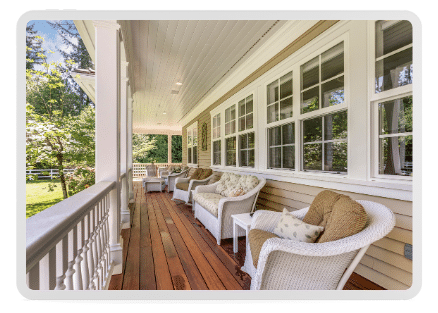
392, 100
192, 145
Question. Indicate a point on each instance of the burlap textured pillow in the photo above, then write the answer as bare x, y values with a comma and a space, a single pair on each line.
321, 208
291, 227
347, 218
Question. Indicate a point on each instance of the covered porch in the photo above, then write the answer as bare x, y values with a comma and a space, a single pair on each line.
222, 86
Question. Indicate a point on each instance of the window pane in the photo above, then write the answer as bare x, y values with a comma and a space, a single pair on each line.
242, 123
394, 71
251, 158
335, 126
309, 100
289, 157
275, 157
312, 130
217, 152
310, 73
243, 158
233, 127
332, 62
288, 133
195, 155
251, 140
272, 92
396, 156
231, 151
243, 141
227, 115
274, 136
335, 156
333, 92
227, 129
312, 156
286, 108
392, 35
241, 107
233, 112
273, 113
249, 121
286, 85
249, 104
189, 155
396, 116
214, 122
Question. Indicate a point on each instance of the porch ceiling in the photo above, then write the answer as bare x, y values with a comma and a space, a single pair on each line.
198, 54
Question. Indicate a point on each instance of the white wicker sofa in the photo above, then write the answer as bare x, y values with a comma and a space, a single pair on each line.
214, 204
184, 186
291, 265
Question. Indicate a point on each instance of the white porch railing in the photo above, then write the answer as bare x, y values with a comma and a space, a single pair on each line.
67, 245
139, 169
51, 171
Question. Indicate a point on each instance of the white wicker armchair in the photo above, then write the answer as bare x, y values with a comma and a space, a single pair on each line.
221, 226
186, 195
290, 265
171, 179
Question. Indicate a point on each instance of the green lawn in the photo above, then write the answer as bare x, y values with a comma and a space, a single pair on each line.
38, 198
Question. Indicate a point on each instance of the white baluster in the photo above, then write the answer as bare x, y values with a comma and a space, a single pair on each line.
48, 271
102, 260
33, 277
98, 246
85, 264
71, 254
106, 232
61, 263
77, 278
91, 253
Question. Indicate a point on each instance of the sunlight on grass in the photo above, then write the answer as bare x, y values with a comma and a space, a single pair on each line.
39, 198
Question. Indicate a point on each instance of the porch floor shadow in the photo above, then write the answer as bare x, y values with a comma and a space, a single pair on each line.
166, 248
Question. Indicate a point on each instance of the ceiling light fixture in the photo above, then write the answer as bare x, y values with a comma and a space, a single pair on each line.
164, 113
179, 83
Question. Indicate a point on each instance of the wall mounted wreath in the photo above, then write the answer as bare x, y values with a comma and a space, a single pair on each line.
204, 137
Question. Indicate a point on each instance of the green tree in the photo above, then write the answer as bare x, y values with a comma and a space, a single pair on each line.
34, 50
176, 149
57, 131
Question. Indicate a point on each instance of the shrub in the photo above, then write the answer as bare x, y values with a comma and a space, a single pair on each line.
32, 177
80, 179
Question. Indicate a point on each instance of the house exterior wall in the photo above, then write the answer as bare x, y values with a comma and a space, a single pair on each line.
384, 262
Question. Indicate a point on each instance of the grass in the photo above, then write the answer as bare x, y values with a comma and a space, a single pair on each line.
39, 198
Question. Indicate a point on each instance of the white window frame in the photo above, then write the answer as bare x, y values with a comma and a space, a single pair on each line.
216, 138
191, 131
246, 131
374, 100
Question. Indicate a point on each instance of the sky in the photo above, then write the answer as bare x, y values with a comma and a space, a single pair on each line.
52, 40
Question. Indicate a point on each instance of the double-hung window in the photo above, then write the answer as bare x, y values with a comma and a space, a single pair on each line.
192, 144
216, 139
246, 134
324, 136
392, 101
230, 136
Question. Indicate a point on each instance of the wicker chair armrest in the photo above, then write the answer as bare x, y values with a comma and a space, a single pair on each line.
181, 180
206, 188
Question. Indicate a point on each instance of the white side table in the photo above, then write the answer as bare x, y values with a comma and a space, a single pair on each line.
243, 220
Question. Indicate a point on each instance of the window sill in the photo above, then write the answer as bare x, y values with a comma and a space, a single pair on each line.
401, 190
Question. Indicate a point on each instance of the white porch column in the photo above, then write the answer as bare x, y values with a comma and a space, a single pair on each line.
125, 214
169, 149
130, 111
108, 126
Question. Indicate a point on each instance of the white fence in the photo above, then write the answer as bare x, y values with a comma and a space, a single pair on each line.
51, 172
139, 169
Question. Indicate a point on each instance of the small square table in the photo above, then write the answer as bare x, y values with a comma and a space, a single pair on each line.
243, 220
153, 184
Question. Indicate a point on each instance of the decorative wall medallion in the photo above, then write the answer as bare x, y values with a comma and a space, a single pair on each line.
204, 137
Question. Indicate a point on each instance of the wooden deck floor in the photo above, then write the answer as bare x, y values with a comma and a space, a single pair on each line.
166, 249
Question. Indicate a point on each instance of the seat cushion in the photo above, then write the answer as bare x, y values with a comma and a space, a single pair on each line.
257, 238
182, 186
209, 201
347, 218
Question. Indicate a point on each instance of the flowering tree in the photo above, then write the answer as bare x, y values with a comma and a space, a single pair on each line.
58, 132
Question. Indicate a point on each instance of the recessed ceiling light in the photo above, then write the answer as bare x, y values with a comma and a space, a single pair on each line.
179, 83
164, 113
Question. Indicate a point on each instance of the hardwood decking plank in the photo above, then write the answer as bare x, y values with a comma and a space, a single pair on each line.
132, 267
147, 273
207, 271
179, 278
227, 278
191, 269
162, 273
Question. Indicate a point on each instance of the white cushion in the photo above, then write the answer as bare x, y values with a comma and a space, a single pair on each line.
291, 227
209, 201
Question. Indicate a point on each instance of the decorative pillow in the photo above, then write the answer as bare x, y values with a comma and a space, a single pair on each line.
237, 192
347, 218
247, 183
291, 227
227, 183
321, 208
257, 238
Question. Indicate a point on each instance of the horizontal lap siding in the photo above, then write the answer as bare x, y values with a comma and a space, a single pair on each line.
384, 262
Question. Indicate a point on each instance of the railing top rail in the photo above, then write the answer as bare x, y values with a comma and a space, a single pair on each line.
45, 229
122, 175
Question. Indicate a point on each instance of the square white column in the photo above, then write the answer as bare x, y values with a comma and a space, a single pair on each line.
107, 58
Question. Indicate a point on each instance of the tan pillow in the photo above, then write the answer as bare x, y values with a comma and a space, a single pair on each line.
291, 227
321, 208
205, 173
347, 218
257, 238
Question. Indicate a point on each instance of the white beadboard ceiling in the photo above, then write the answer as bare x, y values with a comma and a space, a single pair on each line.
197, 54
